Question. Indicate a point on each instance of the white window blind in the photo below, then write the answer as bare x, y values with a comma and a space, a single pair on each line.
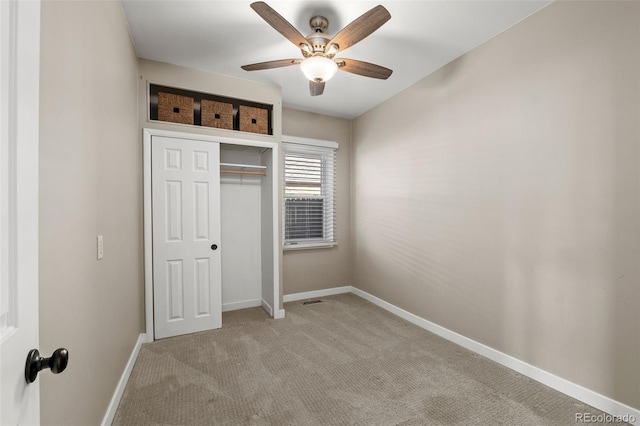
309, 204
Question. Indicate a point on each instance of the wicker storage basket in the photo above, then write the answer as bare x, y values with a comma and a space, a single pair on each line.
253, 120
216, 114
175, 108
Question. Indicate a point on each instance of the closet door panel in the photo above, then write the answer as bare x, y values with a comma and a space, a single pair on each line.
175, 290
186, 227
202, 275
201, 211
173, 207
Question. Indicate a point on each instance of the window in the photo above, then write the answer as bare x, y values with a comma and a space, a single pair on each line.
309, 206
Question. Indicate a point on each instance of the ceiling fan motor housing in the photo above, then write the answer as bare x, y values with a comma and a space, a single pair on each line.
318, 38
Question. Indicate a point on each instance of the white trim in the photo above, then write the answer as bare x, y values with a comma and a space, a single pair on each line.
316, 293
267, 307
276, 192
117, 395
147, 133
208, 138
309, 141
8, 164
234, 306
148, 239
574, 390
308, 246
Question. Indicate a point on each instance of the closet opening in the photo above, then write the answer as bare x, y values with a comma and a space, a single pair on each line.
246, 206
212, 230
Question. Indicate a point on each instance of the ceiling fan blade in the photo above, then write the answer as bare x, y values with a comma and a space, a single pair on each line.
271, 64
281, 25
360, 27
316, 88
364, 68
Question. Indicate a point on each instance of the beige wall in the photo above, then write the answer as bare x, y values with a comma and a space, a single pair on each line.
90, 184
500, 196
307, 270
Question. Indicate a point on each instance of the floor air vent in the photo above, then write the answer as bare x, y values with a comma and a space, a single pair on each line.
311, 302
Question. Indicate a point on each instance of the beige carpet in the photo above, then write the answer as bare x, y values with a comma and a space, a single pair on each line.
340, 362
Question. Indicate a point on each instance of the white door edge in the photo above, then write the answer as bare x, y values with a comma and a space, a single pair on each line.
20, 93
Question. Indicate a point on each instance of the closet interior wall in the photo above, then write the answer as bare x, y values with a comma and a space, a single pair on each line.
244, 205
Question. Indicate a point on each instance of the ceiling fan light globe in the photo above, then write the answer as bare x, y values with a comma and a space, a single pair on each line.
318, 68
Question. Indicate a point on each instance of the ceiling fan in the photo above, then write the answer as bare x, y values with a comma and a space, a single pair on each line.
319, 49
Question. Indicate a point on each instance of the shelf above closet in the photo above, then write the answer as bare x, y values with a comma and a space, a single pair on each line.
242, 169
188, 107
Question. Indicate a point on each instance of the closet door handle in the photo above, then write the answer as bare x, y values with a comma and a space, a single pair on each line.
214, 246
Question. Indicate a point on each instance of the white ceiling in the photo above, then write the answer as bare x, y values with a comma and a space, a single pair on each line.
220, 36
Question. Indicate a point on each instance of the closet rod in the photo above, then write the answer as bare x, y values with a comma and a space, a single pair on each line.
242, 172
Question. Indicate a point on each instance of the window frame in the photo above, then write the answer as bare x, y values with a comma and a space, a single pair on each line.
298, 144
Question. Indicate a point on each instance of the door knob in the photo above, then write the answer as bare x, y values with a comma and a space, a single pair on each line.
214, 246
35, 363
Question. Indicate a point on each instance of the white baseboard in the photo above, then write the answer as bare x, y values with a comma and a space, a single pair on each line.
267, 307
241, 305
574, 390
316, 293
117, 395
275, 314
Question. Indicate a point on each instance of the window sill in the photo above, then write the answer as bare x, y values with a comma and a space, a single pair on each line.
308, 246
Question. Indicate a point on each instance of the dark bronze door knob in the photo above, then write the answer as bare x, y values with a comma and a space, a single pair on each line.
35, 363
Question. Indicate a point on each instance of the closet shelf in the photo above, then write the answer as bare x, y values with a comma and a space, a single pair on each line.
242, 169
242, 166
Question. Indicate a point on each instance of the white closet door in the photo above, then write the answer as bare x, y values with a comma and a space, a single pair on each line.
187, 294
